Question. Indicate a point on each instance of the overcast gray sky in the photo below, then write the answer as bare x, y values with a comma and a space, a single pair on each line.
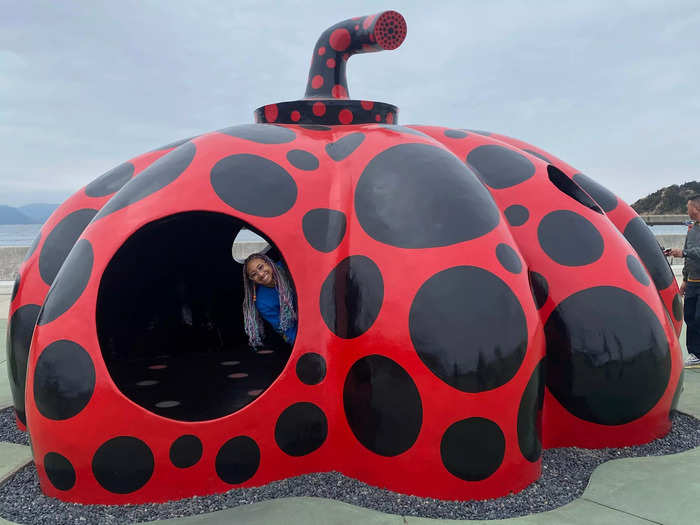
612, 88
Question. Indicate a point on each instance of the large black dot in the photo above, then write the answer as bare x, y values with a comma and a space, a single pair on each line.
639, 235
154, 178
382, 405
59, 470
404, 129
238, 460
608, 359
111, 181
516, 215
254, 185
175, 144
15, 287
301, 429
637, 270
570, 188
468, 328
302, 160
70, 282
186, 451
473, 449
422, 196
342, 148
677, 308
509, 258
603, 196
500, 167
261, 133
536, 154
64, 380
569, 239
60, 241
33, 246
123, 464
311, 368
351, 296
324, 229
530, 414
539, 287
19, 339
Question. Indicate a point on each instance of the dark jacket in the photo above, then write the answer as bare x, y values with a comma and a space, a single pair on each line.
691, 252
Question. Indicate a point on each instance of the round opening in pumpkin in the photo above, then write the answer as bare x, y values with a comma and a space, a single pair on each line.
170, 323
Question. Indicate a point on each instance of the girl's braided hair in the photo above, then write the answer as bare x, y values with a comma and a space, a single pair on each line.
252, 321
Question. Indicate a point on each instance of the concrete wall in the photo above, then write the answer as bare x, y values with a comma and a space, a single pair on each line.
11, 258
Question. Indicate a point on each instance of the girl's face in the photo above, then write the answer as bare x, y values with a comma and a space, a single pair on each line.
260, 272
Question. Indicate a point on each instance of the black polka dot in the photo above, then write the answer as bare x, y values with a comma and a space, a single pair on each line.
186, 451
637, 270
570, 188
351, 296
677, 308
468, 328
539, 288
536, 154
404, 129
422, 196
175, 144
509, 258
569, 239
608, 359
64, 380
315, 127
480, 132
60, 242
33, 246
677, 393
301, 429
19, 339
639, 235
324, 229
342, 148
238, 460
530, 414
473, 449
270, 193
154, 178
603, 196
70, 282
59, 470
500, 167
123, 464
382, 405
311, 368
15, 287
455, 134
302, 160
111, 181
517, 215
261, 133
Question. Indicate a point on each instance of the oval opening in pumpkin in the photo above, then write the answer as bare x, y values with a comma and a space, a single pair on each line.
170, 324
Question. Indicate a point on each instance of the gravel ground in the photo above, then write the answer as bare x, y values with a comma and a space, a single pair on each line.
8, 428
565, 474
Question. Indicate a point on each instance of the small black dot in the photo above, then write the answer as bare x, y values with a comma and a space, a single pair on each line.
69, 283
123, 464
639, 235
516, 215
404, 129
60, 241
569, 239
15, 288
536, 154
455, 134
64, 380
238, 460
677, 308
473, 449
509, 258
59, 470
270, 193
186, 451
530, 415
111, 181
261, 133
677, 393
500, 167
301, 429
311, 368
302, 160
175, 144
324, 229
342, 148
570, 188
539, 288
604, 197
19, 338
315, 127
637, 270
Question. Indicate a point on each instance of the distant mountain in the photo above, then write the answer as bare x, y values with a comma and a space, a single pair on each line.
27, 214
670, 200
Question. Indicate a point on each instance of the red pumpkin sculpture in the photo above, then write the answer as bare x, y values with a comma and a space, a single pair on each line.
463, 299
